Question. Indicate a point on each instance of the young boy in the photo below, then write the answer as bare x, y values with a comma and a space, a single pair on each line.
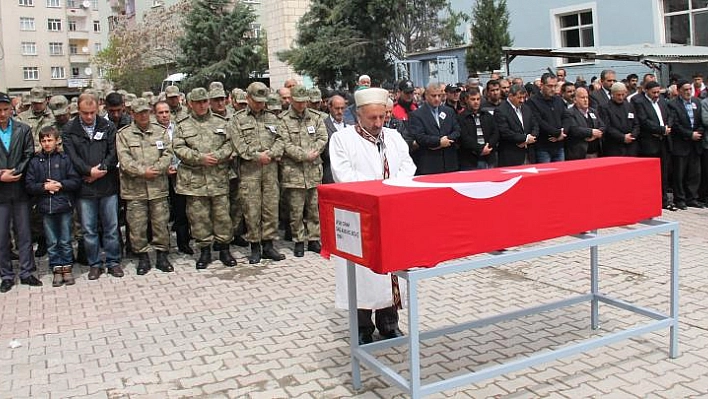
52, 179
16, 148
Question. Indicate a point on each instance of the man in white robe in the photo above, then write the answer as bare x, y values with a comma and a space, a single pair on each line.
369, 151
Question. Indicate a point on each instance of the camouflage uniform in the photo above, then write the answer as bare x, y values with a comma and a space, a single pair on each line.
206, 187
302, 134
146, 199
37, 121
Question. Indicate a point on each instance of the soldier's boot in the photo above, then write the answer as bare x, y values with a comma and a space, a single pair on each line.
225, 255
255, 256
162, 263
183, 240
41, 247
299, 250
204, 258
81, 253
314, 246
143, 264
270, 253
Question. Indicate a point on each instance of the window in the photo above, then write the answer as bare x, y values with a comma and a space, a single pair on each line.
94, 4
27, 3
576, 30
58, 73
96, 26
73, 49
26, 23
97, 47
30, 73
74, 71
256, 30
54, 3
685, 22
29, 48
72, 25
54, 24
56, 48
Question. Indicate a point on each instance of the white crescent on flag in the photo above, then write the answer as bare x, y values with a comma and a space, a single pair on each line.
476, 190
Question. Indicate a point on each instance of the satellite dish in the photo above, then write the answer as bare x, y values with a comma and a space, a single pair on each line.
84, 49
86, 4
88, 71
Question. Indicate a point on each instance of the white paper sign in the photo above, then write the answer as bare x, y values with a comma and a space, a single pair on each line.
347, 230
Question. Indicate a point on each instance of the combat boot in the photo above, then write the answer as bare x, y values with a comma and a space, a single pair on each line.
183, 240
143, 263
255, 256
270, 253
225, 256
299, 250
314, 246
204, 258
162, 263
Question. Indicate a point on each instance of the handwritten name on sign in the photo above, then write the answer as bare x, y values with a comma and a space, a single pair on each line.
347, 228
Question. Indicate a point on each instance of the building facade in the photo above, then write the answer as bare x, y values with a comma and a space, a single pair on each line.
50, 43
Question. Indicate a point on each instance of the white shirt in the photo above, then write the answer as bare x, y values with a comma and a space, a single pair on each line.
355, 159
338, 125
655, 105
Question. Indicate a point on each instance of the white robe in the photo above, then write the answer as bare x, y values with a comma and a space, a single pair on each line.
353, 158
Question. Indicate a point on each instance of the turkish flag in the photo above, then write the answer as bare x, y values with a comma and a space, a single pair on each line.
397, 224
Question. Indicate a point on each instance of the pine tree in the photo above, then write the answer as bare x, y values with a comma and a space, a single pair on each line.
490, 32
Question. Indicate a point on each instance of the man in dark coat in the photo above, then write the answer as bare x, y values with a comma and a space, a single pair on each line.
479, 137
517, 127
16, 149
584, 128
435, 129
687, 136
622, 131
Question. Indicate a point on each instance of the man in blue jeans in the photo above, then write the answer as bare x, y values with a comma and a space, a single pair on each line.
90, 142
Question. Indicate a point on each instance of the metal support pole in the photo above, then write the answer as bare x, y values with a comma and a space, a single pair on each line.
414, 337
594, 287
353, 324
673, 330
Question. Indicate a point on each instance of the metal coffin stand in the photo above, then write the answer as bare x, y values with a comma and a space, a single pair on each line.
364, 353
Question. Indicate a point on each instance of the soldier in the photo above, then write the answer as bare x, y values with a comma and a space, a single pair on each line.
174, 98
204, 149
305, 136
145, 157
254, 134
59, 106
315, 99
25, 103
273, 102
217, 100
38, 116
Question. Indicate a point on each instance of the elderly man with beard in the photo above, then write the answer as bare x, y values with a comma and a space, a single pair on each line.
369, 151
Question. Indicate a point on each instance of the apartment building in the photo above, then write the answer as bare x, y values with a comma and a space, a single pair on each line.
50, 43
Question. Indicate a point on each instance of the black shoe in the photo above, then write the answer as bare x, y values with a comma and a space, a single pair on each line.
314, 246
94, 273
143, 264
185, 249
204, 258
226, 258
669, 207
239, 241
6, 285
41, 248
681, 206
391, 334
365, 338
81, 253
270, 253
31, 281
255, 256
162, 263
695, 204
299, 250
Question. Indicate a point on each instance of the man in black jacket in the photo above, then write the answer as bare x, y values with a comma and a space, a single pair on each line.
478, 134
654, 130
622, 131
687, 138
16, 149
90, 142
517, 127
548, 108
584, 128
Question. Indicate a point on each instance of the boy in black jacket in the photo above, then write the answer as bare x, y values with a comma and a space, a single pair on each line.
52, 179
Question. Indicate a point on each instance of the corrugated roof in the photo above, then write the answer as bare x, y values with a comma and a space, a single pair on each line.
655, 53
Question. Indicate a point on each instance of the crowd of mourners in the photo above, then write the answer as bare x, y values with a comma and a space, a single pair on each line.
98, 178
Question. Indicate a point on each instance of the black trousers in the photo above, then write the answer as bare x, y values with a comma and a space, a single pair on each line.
17, 212
665, 160
386, 320
703, 189
178, 209
687, 177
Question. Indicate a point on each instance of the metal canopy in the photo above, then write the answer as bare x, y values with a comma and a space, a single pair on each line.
644, 53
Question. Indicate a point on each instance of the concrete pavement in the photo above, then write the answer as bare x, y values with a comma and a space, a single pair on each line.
271, 331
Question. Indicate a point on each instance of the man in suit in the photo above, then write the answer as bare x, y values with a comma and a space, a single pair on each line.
654, 129
687, 136
602, 96
478, 134
584, 128
703, 190
436, 130
517, 127
622, 130
334, 122
548, 108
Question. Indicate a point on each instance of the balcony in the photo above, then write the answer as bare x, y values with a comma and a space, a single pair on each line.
78, 34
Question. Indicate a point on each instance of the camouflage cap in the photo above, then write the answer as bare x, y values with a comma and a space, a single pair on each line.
299, 94
216, 93
123, 92
315, 95
59, 105
73, 109
198, 94
241, 97
140, 105
26, 99
274, 102
216, 85
129, 99
172, 91
38, 95
235, 92
258, 92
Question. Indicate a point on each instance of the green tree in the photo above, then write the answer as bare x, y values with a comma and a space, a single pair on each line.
490, 32
219, 44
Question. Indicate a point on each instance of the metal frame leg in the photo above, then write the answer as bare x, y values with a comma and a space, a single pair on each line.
594, 288
353, 324
414, 338
674, 329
